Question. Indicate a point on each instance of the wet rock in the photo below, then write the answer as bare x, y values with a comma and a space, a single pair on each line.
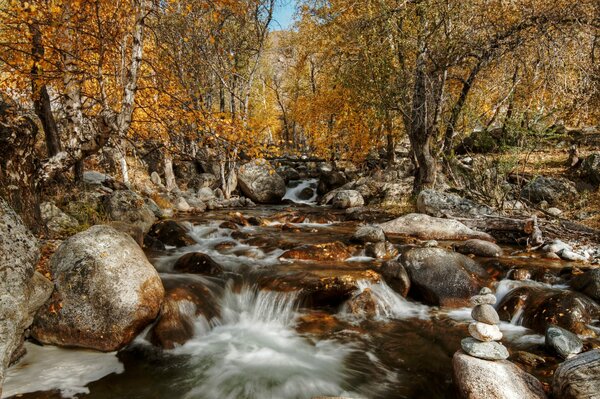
171, 232
541, 308
485, 314
396, 276
549, 189
484, 350
590, 168
330, 180
228, 225
578, 377
369, 233
500, 379
485, 332
362, 304
260, 182
319, 252
288, 173
381, 250
58, 222
19, 253
588, 283
527, 358
564, 342
440, 277
440, 204
198, 263
480, 248
153, 244
306, 194
426, 227
347, 199
519, 274
106, 292
127, 206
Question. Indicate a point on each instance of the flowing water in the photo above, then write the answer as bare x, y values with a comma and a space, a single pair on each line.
268, 342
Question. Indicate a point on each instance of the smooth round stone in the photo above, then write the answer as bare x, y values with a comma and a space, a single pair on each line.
485, 291
485, 332
564, 342
485, 314
484, 350
486, 299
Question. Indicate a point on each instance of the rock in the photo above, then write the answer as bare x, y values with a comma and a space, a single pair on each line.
588, 283
542, 307
369, 233
94, 178
590, 168
564, 342
556, 246
58, 222
106, 292
554, 211
480, 248
396, 276
333, 251
439, 204
483, 299
527, 358
567, 254
426, 227
260, 182
500, 379
198, 263
288, 173
549, 189
330, 180
127, 206
181, 205
362, 304
171, 232
19, 253
345, 199
155, 178
306, 194
440, 277
485, 314
519, 274
484, 350
133, 231
196, 205
578, 377
205, 194
381, 250
158, 212
204, 180
485, 332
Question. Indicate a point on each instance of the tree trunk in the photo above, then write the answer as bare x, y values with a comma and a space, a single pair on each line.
170, 181
391, 144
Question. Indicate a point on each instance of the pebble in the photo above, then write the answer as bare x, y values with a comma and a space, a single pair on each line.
485, 332
484, 350
485, 314
564, 342
486, 299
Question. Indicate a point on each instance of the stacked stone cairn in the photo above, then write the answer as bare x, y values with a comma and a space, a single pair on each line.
485, 334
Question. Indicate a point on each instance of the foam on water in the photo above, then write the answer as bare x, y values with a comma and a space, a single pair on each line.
256, 353
46, 368
293, 193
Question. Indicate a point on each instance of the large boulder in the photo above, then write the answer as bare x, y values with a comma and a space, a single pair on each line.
396, 276
588, 283
499, 379
127, 206
590, 168
22, 290
426, 227
540, 308
260, 182
578, 377
549, 189
106, 292
171, 232
330, 180
368, 233
440, 204
477, 247
345, 199
442, 278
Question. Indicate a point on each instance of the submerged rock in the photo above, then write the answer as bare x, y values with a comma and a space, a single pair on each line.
198, 263
478, 247
333, 251
442, 278
487, 379
171, 232
426, 227
563, 342
260, 182
106, 292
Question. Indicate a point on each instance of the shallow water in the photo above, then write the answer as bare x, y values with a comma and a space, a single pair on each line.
267, 344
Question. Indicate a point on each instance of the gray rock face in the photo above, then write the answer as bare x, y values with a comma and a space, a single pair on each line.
479, 248
345, 199
500, 379
57, 221
105, 293
485, 314
484, 350
439, 204
591, 168
127, 206
426, 227
564, 342
96, 178
549, 189
441, 277
19, 253
588, 283
260, 182
366, 234
205, 194
578, 377
396, 276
